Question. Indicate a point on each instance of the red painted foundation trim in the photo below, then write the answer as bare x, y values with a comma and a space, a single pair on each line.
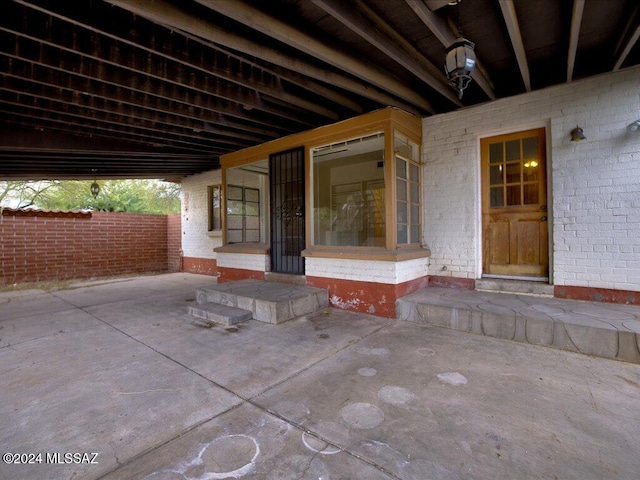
366, 297
452, 282
591, 294
203, 266
232, 274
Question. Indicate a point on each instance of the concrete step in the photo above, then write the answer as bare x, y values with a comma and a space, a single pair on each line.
269, 302
221, 314
601, 329
514, 286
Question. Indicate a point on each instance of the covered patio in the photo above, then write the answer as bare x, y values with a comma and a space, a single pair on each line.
120, 369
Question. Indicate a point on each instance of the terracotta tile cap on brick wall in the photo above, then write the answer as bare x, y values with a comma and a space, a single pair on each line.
33, 212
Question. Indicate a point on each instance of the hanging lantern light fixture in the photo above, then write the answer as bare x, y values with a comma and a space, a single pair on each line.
95, 189
461, 59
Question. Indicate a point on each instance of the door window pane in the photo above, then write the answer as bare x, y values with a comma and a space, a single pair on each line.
497, 196
513, 195
513, 172
530, 147
495, 153
512, 149
531, 170
495, 174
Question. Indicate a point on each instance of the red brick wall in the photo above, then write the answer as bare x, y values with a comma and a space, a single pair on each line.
41, 246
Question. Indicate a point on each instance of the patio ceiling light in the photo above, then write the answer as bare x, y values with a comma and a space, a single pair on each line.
95, 189
460, 60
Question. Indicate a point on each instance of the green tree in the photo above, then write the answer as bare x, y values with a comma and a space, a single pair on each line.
134, 196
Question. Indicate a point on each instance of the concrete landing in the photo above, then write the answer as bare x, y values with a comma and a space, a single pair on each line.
270, 302
604, 330
217, 313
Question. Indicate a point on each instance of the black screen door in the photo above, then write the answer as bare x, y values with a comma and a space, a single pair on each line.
286, 181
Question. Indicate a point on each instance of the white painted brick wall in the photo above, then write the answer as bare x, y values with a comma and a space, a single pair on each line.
196, 240
595, 184
244, 261
367, 270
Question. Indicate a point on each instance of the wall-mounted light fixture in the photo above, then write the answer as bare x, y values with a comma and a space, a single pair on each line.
634, 127
577, 134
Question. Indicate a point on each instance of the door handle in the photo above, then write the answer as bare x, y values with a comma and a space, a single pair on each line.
543, 219
543, 208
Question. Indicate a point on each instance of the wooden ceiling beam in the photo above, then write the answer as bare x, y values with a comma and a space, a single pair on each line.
511, 20
279, 30
122, 86
164, 13
368, 30
574, 35
624, 46
164, 61
447, 37
134, 112
86, 126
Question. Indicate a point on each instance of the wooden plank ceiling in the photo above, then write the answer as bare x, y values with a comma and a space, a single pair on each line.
160, 89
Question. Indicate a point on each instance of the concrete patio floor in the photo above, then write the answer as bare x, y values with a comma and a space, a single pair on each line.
119, 369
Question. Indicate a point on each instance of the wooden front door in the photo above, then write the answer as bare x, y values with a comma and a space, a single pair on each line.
514, 205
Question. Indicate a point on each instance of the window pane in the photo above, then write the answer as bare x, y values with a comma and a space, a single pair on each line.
415, 234
252, 209
251, 195
234, 236
415, 213
414, 173
252, 236
512, 148
531, 194
402, 233
234, 193
402, 212
415, 192
531, 170
234, 222
495, 174
401, 168
348, 193
513, 195
401, 189
497, 194
234, 207
513, 172
495, 153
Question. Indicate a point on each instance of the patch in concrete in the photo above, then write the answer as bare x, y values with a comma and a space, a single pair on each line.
318, 446
395, 395
426, 352
453, 378
229, 456
379, 352
362, 415
367, 372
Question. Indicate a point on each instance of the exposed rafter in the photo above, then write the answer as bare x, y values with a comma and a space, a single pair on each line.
166, 14
511, 20
356, 22
576, 20
632, 35
275, 28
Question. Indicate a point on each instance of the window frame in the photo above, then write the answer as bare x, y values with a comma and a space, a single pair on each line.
211, 208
